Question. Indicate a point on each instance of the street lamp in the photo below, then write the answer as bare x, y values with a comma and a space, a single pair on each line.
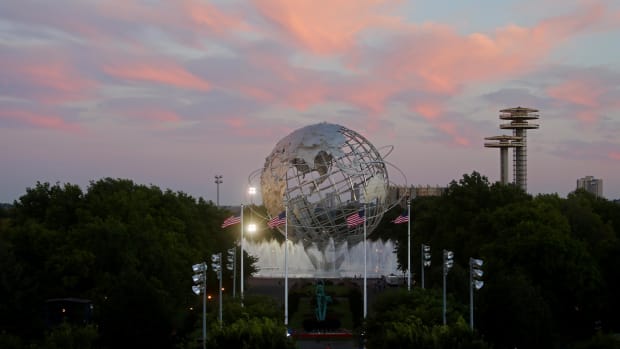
218, 181
448, 262
216, 265
252, 193
200, 275
475, 273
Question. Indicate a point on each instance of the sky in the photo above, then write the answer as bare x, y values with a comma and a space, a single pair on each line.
174, 92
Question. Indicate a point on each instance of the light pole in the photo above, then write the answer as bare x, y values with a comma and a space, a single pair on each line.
251, 229
365, 277
232, 266
241, 258
408, 244
475, 273
201, 276
218, 181
425, 256
448, 262
286, 266
216, 265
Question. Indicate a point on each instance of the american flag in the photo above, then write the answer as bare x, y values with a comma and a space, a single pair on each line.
403, 218
356, 219
232, 220
277, 220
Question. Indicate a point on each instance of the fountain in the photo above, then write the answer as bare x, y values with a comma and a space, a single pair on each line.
333, 261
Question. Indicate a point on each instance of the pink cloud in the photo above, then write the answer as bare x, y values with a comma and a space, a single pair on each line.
272, 80
166, 74
55, 75
587, 94
205, 14
50, 77
247, 128
428, 110
237, 123
440, 60
39, 120
614, 155
437, 60
325, 27
193, 16
370, 95
450, 129
155, 115
580, 92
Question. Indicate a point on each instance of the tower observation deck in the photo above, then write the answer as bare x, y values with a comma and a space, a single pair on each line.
519, 118
503, 143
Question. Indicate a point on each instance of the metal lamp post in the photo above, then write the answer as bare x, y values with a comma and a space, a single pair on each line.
448, 262
286, 267
251, 229
241, 258
218, 181
408, 244
216, 265
475, 273
365, 268
425, 256
201, 277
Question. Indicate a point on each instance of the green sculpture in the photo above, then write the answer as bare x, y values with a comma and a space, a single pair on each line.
321, 301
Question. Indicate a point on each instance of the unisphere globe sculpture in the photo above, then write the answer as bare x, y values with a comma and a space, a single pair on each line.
325, 173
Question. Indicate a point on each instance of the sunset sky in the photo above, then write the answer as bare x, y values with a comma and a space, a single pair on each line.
174, 92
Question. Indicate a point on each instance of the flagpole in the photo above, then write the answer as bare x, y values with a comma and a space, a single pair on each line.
286, 266
241, 285
408, 245
365, 277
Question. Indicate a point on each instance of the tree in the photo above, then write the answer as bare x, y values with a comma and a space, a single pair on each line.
127, 247
401, 319
556, 259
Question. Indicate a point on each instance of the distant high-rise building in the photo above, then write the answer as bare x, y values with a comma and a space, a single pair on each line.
591, 185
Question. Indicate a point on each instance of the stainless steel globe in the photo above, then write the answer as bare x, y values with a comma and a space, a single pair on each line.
325, 173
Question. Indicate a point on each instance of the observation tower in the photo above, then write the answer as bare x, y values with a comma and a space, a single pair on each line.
503, 143
519, 118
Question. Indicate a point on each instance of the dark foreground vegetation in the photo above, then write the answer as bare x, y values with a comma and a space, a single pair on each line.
129, 249
552, 271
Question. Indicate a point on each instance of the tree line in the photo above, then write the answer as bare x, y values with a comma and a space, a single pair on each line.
129, 249
551, 264
552, 270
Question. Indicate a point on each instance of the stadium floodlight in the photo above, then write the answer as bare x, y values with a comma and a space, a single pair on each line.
475, 273
201, 277
231, 258
216, 265
197, 278
199, 268
448, 263
425, 254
